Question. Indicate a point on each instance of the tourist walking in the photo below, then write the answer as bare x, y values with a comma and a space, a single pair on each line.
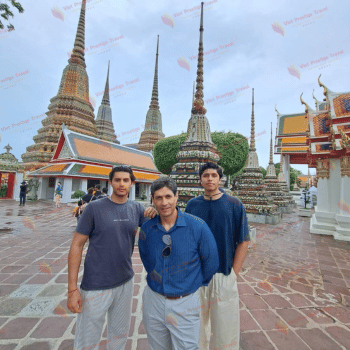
23, 193
226, 217
58, 195
108, 278
180, 255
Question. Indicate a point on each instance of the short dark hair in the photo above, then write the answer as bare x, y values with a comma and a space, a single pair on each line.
104, 190
97, 186
91, 190
210, 165
164, 182
80, 203
122, 168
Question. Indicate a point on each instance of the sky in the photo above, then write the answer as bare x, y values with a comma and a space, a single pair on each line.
248, 44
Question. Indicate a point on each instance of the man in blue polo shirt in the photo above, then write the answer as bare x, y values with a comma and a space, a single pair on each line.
226, 217
180, 255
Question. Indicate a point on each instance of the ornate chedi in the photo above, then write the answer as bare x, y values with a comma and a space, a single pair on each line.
8, 162
251, 189
104, 123
273, 186
153, 125
70, 106
198, 147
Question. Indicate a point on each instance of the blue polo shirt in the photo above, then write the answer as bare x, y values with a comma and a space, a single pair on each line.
227, 219
193, 259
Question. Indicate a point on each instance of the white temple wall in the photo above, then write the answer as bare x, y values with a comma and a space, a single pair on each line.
17, 184
42, 189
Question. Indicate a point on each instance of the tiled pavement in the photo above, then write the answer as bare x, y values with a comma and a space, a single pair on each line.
294, 287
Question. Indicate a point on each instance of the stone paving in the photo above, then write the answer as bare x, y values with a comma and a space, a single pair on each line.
294, 287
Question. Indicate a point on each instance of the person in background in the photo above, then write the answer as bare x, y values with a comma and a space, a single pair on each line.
97, 192
180, 256
77, 210
87, 197
227, 219
104, 193
23, 193
58, 195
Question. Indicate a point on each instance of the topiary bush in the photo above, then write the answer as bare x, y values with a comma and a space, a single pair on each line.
165, 150
232, 147
78, 194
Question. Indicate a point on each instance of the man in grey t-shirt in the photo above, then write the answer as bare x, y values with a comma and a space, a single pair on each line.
107, 284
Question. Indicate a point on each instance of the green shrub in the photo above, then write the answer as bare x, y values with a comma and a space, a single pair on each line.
232, 147
78, 194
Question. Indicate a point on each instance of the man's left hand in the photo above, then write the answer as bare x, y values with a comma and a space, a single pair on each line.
150, 212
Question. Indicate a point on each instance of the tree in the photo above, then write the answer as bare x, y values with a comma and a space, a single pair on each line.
264, 171
6, 12
293, 174
165, 150
233, 148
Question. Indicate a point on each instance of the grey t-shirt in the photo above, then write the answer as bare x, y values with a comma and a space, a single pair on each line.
111, 228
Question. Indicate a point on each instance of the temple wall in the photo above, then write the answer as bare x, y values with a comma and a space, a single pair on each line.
17, 184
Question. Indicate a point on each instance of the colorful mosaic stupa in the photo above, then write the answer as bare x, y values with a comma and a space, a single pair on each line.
198, 147
273, 186
153, 125
251, 189
104, 122
71, 106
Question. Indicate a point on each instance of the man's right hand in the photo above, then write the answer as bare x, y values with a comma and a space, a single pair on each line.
74, 302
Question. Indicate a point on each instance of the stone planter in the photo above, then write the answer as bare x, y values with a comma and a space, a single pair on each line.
305, 212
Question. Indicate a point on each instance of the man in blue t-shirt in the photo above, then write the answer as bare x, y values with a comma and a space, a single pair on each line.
226, 217
180, 255
107, 287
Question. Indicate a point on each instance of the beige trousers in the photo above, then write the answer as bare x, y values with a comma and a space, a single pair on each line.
220, 313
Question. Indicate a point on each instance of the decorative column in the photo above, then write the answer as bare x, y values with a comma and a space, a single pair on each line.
343, 217
83, 185
285, 169
132, 193
67, 190
323, 221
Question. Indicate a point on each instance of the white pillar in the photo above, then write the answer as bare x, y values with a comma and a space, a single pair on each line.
148, 192
110, 189
41, 189
323, 221
67, 190
83, 185
16, 185
343, 217
132, 193
286, 166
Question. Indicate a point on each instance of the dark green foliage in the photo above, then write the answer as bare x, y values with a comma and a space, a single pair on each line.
233, 148
6, 12
165, 150
3, 191
293, 174
263, 171
78, 194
